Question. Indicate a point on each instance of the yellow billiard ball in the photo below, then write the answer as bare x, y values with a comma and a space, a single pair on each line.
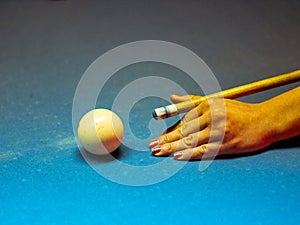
100, 131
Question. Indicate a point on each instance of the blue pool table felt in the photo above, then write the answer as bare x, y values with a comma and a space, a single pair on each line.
46, 46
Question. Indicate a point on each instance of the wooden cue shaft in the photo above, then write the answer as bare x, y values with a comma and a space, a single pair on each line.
244, 90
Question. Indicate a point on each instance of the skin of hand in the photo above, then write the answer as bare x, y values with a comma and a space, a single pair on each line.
223, 126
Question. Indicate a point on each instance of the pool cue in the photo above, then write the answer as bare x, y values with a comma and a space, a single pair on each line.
236, 92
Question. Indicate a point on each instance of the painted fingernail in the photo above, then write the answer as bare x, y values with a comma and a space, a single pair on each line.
156, 150
153, 143
177, 155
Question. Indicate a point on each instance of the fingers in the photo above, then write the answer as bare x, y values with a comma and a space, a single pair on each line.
183, 130
191, 153
190, 141
205, 151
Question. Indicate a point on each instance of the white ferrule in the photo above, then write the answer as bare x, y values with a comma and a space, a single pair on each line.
171, 110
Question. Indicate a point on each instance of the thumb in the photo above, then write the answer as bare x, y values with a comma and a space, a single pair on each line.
182, 98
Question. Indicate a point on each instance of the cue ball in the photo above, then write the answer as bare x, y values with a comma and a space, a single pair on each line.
100, 131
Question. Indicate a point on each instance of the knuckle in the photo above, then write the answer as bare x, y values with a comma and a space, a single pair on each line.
218, 126
189, 141
217, 135
198, 109
167, 138
167, 148
203, 149
184, 120
184, 130
219, 114
204, 104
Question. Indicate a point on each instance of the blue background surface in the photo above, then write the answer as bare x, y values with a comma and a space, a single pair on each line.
45, 47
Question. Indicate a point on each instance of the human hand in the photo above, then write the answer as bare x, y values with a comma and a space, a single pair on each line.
215, 127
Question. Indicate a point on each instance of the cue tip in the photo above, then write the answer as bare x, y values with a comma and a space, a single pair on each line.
154, 115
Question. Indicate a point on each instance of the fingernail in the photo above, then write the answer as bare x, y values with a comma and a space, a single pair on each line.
177, 155
156, 150
153, 143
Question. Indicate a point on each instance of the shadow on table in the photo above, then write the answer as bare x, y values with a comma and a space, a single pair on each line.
285, 144
99, 159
